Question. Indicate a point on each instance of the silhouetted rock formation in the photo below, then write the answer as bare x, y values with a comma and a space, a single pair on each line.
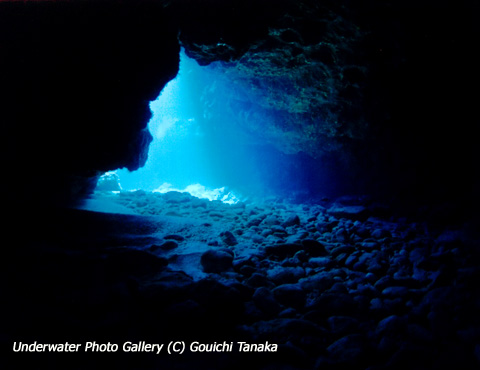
379, 93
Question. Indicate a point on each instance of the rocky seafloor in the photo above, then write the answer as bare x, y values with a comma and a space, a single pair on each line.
341, 283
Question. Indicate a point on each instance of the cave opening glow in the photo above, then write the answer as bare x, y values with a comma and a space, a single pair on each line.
198, 147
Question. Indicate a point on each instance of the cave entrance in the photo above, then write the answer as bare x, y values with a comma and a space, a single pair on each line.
197, 147
208, 141
184, 155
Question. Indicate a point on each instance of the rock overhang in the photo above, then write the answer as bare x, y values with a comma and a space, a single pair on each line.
337, 76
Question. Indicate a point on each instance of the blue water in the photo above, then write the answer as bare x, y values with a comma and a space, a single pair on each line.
198, 141
187, 151
176, 155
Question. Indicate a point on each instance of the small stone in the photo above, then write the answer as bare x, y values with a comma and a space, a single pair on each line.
349, 349
381, 234
199, 204
371, 277
283, 250
290, 295
270, 220
257, 239
391, 325
375, 267
418, 255
266, 232
257, 280
255, 221
369, 245
350, 212
376, 304
366, 290
178, 238
351, 260
284, 275
341, 235
314, 248
216, 214
341, 258
265, 301
395, 292
321, 281
176, 197
362, 231
217, 260
228, 238
383, 282
297, 238
338, 288
167, 246
347, 249
291, 221
301, 256
289, 312
247, 270
319, 262
273, 239
278, 229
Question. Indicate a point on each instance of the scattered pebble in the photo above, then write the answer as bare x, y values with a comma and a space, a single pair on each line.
330, 282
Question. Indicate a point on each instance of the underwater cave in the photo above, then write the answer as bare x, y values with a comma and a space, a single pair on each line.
230, 184
206, 142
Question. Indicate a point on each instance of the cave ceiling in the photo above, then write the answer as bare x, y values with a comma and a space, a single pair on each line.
297, 73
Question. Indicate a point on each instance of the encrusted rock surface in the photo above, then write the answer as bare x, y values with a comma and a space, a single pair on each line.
358, 86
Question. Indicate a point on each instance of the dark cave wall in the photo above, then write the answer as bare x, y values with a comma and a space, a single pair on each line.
75, 86
420, 102
381, 93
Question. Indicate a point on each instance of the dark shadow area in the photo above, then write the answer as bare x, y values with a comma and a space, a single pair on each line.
347, 132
